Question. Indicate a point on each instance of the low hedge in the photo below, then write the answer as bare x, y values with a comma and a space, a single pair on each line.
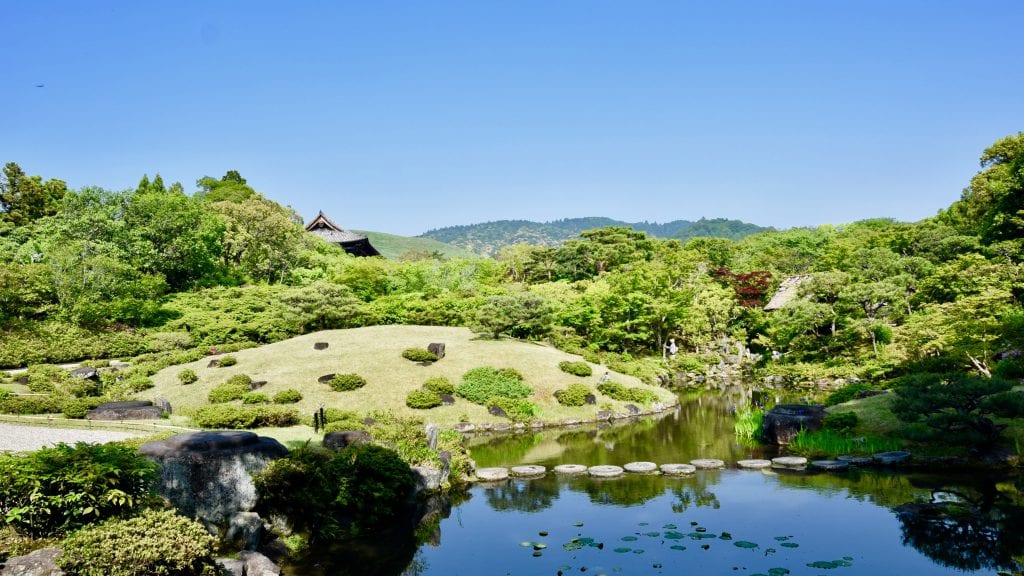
617, 391
255, 398
235, 388
423, 399
440, 385
346, 382
227, 361
289, 396
419, 355
187, 376
517, 409
574, 395
26, 405
244, 417
575, 368
479, 385
154, 542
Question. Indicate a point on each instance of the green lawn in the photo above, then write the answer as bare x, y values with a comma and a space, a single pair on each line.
375, 352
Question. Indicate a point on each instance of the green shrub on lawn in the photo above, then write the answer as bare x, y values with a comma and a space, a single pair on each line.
227, 361
419, 355
423, 399
244, 417
440, 385
235, 388
55, 490
346, 382
289, 396
255, 398
575, 368
481, 384
517, 409
79, 407
622, 393
154, 542
574, 395
187, 376
842, 422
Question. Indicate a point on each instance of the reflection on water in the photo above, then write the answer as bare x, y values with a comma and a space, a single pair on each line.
714, 522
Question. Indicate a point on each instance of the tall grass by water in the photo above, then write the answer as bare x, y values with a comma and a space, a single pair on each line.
748, 425
831, 444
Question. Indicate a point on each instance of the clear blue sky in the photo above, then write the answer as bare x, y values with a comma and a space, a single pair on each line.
405, 116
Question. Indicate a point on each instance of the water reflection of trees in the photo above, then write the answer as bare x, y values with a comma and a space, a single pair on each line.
694, 492
522, 495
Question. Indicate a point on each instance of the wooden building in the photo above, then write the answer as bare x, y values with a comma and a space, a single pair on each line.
353, 243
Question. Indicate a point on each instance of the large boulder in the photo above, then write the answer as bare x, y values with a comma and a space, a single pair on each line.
208, 475
126, 410
437, 349
42, 562
782, 423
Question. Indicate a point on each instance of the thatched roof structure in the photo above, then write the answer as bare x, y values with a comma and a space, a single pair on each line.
787, 292
353, 243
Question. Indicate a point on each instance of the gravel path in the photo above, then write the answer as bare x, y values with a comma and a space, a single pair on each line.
14, 438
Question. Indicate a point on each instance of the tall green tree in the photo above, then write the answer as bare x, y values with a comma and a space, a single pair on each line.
24, 199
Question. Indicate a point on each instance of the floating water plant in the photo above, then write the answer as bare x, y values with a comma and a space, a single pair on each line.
790, 545
673, 535
629, 538
621, 550
845, 562
678, 547
778, 571
744, 544
652, 534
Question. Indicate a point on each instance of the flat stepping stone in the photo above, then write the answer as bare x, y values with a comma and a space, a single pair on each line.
754, 464
570, 469
641, 467
492, 474
891, 457
830, 464
528, 471
789, 461
677, 469
855, 460
707, 463
605, 471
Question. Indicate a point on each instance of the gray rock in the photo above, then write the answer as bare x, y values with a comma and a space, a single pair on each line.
437, 349
677, 469
245, 530
208, 475
492, 474
707, 463
447, 399
164, 404
431, 431
789, 462
590, 399
570, 469
605, 471
855, 460
604, 415
128, 410
497, 411
890, 458
632, 409
42, 562
782, 423
257, 384
830, 465
640, 467
345, 438
257, 564
755, 464
320, 346
528, 471
465, 427
325, 378
86, 373
427, 479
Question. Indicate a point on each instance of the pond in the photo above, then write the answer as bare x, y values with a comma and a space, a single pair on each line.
715, 522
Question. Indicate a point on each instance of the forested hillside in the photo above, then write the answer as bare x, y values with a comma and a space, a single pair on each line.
94, 273
488, 238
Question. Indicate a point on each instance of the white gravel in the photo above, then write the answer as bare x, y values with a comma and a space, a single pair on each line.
14, 438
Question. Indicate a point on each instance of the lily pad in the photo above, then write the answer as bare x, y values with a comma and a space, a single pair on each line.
673, 535
725, 536
678, 547
526, 544
778, 571
638, 551
540, 546
744, 544
578, 524
669, 526
702, 529
542, 533
782, 538
629, 538
701, 535
621, 550
830, 564
790, 545
537, 553
652, 534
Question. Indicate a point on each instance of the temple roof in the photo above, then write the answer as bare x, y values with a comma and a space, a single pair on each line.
325, 228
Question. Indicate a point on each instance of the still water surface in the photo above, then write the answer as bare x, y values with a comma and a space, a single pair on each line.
715, 522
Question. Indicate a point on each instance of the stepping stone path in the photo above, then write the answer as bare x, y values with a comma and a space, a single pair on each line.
605, 471
754, 464
492, 474
855, 460
789, 462
528, 471
707, 463
641, 467
831, 465
570, 469
677, 469
891, 457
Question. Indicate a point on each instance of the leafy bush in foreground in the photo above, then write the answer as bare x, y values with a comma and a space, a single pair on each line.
481, 384
574, 395
244, 417
57, 489
575, 368
155, 542
346, 382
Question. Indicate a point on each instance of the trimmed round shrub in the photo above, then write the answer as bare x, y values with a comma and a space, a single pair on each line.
481, 384
187, 376
26, 405
423, 399
575, 368
622, 393
79, 407
136, 382
574, 395
346, 382
244, 417
343, 425
440, 385
154, 542
289, 396
255, 398
227, 361
517, 409
234, 389
419, 355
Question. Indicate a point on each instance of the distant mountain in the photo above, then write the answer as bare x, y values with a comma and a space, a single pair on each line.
489, 237
393, 247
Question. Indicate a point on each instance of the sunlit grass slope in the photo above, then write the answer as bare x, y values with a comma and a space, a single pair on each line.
375, 353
